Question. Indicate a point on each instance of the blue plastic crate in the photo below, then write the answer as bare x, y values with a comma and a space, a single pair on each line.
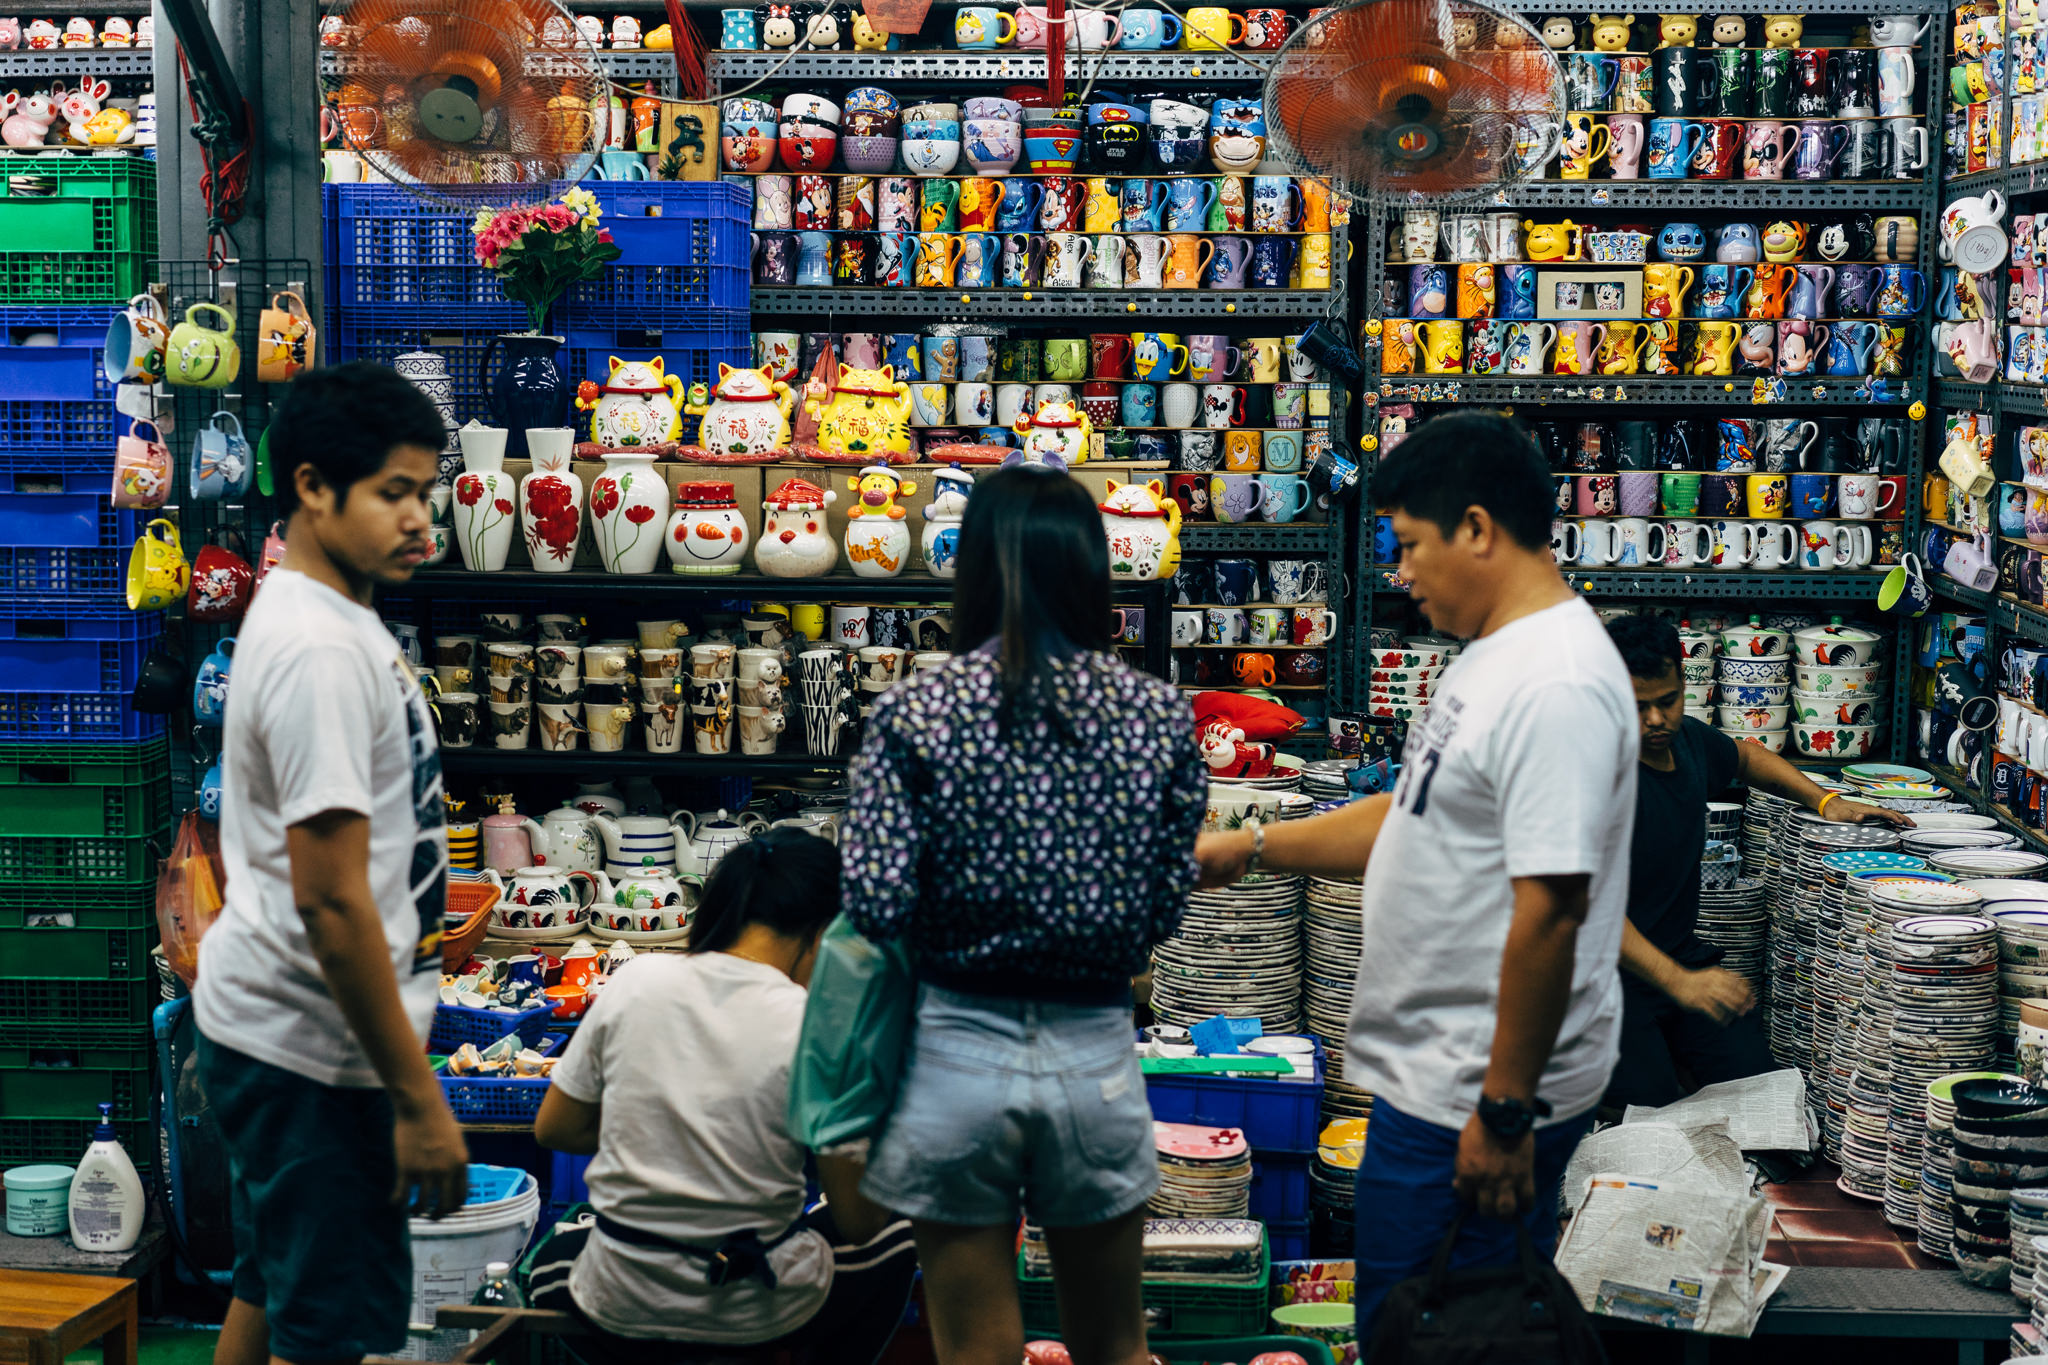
499, 1099
49, 655
464, 349
1280, 1186
1289, 1242
691, 353
84, 424
1274, 1115
73, 718
41, 515
565, 1181
455, 1025
683, 250
62, 575
55, 473
393, 255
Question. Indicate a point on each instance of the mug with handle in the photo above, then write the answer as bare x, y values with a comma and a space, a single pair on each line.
203, 357
158, 576
284, 339
136, 338
221, 460
142, 467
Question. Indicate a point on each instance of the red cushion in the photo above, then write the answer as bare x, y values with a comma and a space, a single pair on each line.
1261, 721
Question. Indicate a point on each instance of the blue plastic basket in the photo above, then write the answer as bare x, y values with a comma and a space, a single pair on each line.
52, 472
1274, 1115
41, 515
73, 718
499, 1099
394, 256
692, 353
69, 371
683, 251
1289, 1242
352, 335
1280, 1186
86, 424
455, 1025
58, 654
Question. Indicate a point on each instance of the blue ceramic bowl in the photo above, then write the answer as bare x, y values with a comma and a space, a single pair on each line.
931, 130
1755, 694
1050, 151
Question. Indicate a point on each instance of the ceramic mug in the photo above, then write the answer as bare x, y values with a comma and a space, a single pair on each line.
284, 339
136, 338
203, 357
142, 468
158, 576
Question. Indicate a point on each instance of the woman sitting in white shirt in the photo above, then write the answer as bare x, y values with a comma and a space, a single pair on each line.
678, 1081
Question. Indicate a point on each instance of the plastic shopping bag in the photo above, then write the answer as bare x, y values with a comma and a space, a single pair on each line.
188, 894
856, 1025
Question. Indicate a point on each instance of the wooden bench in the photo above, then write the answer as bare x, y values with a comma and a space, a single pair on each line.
45, 1317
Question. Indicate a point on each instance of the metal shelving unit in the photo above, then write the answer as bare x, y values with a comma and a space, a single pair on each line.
1640, 395
957, 67
113, 63
639, 763
1033, 305
623, 65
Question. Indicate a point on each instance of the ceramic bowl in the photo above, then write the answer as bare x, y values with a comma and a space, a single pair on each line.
1754, 642
1696, 644
1774, 740
1834, 741
1754, 694
1837, 645
930, 156
1414, 692
1389, 710
992, 146
873, 155
807, 148
1826, 678
1173, 150
1051, 151
1700, 697
1703, 714
1230, 806
1754, 717
1768, 670
1853, 708
1399, 677
947, 112
938, 129
1697, 671
990, 106
869, 123
1409, 658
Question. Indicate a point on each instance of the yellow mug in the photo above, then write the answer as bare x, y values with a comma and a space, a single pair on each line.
1714, 348
938, 257
158, 576
284, 339
1443, 347
809, 620
1397, 346
1262, 354
1210, 29
1312, 266
1315, 203
1585, 142
1664, 289
1622, 349
1241, 451
1101, 211
1768, 494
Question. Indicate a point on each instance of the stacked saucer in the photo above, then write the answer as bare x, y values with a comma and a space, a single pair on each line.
1838, 975
1326, 780
1237, 952
1943, 970
1333, 1182
1803, 1020
1330, 969
1203, 1172
2027, 1213
1735, 921
2001, 1130
1929, 843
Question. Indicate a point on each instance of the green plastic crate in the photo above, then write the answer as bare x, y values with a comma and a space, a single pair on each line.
96, 904
30, 1142
76, 952
91, 1006
87, 861
1173, 1311
92, 240
70, 1078
94, 790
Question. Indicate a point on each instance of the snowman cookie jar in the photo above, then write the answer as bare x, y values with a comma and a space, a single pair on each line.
707, 536
942, 517
794, 540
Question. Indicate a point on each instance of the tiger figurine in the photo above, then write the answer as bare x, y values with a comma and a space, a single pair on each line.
867, 417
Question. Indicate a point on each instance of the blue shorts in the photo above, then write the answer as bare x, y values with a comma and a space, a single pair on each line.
319, 1246
1406, 1202
1005, 1103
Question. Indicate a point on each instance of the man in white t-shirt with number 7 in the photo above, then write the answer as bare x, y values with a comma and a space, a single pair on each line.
1487, 1011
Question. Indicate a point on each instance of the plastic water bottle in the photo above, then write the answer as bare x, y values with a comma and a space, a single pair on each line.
499, 1289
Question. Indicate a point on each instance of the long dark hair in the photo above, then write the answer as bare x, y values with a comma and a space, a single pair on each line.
785, 879
1034, 573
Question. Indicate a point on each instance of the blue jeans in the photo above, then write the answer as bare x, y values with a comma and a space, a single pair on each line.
1406, 1203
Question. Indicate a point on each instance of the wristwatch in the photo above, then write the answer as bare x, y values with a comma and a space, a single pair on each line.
1510, 1120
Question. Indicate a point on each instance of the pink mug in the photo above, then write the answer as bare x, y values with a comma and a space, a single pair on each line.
1576, 344
1625, 146
1973, 347
1765, 149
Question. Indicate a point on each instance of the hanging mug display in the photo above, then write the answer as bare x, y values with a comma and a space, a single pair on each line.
142, 468
136, 338
284, 339
203, 357
158, 575
221, 460
210, 684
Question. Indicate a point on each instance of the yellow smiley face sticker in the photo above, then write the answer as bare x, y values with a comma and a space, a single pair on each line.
1918, 412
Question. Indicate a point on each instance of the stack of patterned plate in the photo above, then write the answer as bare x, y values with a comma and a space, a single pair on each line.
2027, 1210
1203, 1172
1868, 775
1208, 1250
2022, 922
1937, 1179
1332, 938
1840, 973
1333, 1183
1734, 920
1802, 1024
1324, 780
1944, 989
1928, 843
2001, 1146
1237, 952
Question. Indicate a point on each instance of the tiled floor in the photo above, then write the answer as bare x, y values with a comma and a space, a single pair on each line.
1814, 1223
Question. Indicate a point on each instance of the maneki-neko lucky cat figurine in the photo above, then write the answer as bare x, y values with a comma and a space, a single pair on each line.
638, 407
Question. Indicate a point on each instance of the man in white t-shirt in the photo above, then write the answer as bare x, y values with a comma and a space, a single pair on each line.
318, 982
1487, 1011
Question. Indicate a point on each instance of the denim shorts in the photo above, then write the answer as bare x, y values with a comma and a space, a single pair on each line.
1007, 1102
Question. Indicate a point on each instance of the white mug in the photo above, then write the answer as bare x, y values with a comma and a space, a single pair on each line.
2007, 736
1147, 252
760, 665
1418, 233
2034, 742
1734, 544
1012, 401
1640, 543
1179, 404
1066, 260
1862, 497
1688, 544
1599, 543
1856, 547
1097, 29
973, 403
1818, 542
1777, 545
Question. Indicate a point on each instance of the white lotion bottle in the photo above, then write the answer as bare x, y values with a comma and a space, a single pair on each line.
106, 1195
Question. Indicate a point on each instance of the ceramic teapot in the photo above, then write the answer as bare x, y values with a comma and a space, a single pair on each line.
548, 897
598, 798
701, 843
506, 846
629, 840
748, 414
565, 841
654, 887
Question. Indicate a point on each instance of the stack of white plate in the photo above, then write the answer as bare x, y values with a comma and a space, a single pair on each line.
1931, 843
1332, 940
2028, 1211
1803, 1020
1944, 984
1237, 952
1204, 1172
2020, 910
1735, 921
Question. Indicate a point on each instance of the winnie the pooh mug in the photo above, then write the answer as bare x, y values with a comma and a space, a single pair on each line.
202, 357
158, 576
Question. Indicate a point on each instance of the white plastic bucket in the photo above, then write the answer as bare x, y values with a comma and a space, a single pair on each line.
449, 1257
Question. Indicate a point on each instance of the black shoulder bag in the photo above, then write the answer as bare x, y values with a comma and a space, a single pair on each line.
1523, 1314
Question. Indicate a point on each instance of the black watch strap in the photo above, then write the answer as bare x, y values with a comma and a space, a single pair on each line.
1510, 1119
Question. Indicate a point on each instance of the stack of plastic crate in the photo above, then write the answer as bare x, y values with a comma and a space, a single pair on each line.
84, 780
402, 276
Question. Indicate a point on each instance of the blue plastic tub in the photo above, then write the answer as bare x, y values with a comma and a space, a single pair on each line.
1280, 1187
455, 1025
1274, 1115
683, 251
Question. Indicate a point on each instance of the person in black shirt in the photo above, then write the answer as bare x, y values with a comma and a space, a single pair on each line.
1679, 1007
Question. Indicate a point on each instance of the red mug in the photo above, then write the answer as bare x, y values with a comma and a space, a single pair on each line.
222, 583
1716, 157
1266, 29
813, 206
1891, 498
1102, 400
1060, 210
1109, 355
1191, 491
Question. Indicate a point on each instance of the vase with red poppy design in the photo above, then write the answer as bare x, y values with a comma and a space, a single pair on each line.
628, 512
551, 500
484, 511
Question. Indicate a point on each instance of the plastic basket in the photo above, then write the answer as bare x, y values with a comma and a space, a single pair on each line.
71, 370
455, 1025
1181, 1309
1288, 1242
1274, 1115
72, 1079
60, 716
683, 250
94, 905
52, 472
499, 1099
30, 1142
52, 653
691, 353
352, 336
1280, 1186
84, 790
92, 240
85, 1006
48, 514
394, 256
56, 951
43, 425
44, 860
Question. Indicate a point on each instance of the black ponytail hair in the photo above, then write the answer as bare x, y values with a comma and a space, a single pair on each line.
785, 879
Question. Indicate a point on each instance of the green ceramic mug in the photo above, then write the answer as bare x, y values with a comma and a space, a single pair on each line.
203, 357
1066, 358
1679, 493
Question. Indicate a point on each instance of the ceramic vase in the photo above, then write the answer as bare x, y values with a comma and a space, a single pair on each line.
528, 389
484, 508
551, 500
628, 512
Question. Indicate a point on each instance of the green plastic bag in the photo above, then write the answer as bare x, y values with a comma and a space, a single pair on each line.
856, 1025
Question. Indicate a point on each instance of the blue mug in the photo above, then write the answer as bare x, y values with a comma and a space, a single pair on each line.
1143, 204
977, 353
1721, 290
1681, 242
1140, 405
1286, 496
1232, 259
1672, 145
900, 354
1429, 293
210, 685
1188, 200
977, 268
1272, 260
209, 793
1850, 346
737, 31
1947, 306
1146, 30
1516, 295
1738, 244
1813, 496
1018, 210
2012, 511
1237, 581
814, 260
1901, 291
